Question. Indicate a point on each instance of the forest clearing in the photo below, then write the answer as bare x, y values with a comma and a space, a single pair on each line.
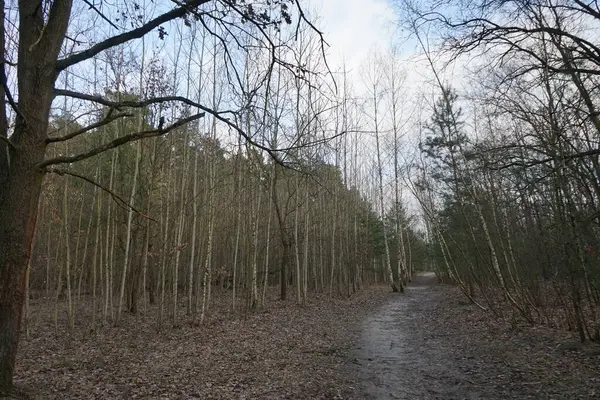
299, 199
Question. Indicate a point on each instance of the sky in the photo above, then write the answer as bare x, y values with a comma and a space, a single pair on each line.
354, 28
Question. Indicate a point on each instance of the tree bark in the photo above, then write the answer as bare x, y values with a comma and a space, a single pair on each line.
19, 196
20, 188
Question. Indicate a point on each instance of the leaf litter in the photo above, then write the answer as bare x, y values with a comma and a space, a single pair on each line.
286, 351
326, 349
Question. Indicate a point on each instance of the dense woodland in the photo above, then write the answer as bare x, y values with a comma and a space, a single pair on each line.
168, 220
509, 192
262, 167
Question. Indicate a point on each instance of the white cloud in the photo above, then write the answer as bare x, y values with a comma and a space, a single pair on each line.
354, 28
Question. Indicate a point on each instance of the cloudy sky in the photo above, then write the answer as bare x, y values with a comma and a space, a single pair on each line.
353, 28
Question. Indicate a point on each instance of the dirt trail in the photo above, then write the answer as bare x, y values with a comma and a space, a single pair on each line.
397, 362
413, 348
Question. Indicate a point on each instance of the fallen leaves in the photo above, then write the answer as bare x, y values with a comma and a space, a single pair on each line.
449, 350
285, 352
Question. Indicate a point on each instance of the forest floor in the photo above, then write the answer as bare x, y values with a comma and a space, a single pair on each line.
428, 343
283, 352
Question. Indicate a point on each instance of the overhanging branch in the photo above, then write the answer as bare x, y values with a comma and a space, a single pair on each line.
138, 104
524, 164
127, 36
119, 142
7, 141
108, 119
128, 103
118, 199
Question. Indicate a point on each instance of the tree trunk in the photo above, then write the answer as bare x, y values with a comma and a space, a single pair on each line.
254, 248
287, 247
388, 263
95, 262
297, 245
19, 193
192, 265
180, 229
21, 183
238, 224
268, 243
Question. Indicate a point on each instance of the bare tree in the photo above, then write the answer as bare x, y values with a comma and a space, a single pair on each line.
41, 32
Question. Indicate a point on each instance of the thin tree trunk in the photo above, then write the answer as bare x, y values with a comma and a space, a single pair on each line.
306, 244
58, 282
238, 222
207, 278
268, 244
180, 229
333, 240
85, 251
297, 245
165, 244
388, 263
194, 229
95, 257
77, 244
136, 170
109, 244
255, 231
70, 316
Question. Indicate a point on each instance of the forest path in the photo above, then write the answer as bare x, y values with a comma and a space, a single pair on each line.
398, 361
429, 343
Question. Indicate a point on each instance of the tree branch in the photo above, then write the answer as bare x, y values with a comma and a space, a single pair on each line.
118, 199
128, 103
7, 141
530, 164
108, 119
137, 104
119, 142
127, 36
302, 17
104, 17
9, 96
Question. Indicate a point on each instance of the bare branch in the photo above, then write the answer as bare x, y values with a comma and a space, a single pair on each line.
119, 142
127, 103
523, 164
118, 199
7, 62
324, 43
137, 104
9, 96
104, 17
127, 36
7, 141
108, 119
